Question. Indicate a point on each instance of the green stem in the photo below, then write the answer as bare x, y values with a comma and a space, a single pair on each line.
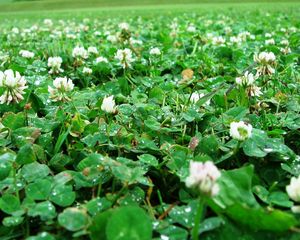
99, 189
119, 194
15, 181
198, 217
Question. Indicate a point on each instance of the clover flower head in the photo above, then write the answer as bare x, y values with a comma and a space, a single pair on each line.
265, 61
55, 64
246, 80
92, 50
80, 53
240, 130
124, 26
218, 40
14, 85
108, 105
87, 71
155, 51
191, 28
203, 176
26, 54
125, 57
101, 60
293, 189
62, 88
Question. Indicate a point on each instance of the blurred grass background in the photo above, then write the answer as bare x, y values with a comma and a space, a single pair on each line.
42, 5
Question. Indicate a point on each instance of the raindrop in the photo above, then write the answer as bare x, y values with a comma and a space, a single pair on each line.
164, 237
188, 209
268, 150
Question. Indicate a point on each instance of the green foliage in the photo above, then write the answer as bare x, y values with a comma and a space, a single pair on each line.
77, 168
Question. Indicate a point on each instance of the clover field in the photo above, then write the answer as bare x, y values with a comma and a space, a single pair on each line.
176, 123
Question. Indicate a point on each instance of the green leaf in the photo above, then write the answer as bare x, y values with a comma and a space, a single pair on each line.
173, 233
130, 175
261, 219
6, 161
62, 195
12, 221
42, 236
208, 145
148, 159
129, 223
9, 203
34, 170
152, 124
98, 226
45, 210
73, 219
26, 154
211, 224
25, 135
93, 160
13, 121
39, 190
184, 215
280, 199
237, 113
235, 187
97, 205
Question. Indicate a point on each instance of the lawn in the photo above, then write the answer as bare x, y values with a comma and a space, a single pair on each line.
146, 120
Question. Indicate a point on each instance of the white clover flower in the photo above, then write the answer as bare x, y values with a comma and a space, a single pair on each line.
240, 130
204, 176
268, 35
48, 22
155, 51
219, 40
270, 41
191, 28
62, 88
285, 50
254, 91
235, 39
55, 63
135, 41
108, 105
284, 42
80, 52
196, 96
87, 71
252, 37
266, 61
246, 80
15, 30
293, 189
101, 60
228, 30
125, 57
26, 54
293, 29
13, 84
124, 26
112, 38
92, 50
283, 29
244, 35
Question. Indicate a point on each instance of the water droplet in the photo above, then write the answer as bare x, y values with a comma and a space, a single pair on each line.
188, 209
164, 237
268, 150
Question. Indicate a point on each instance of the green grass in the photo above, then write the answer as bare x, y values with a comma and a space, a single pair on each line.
42, 5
